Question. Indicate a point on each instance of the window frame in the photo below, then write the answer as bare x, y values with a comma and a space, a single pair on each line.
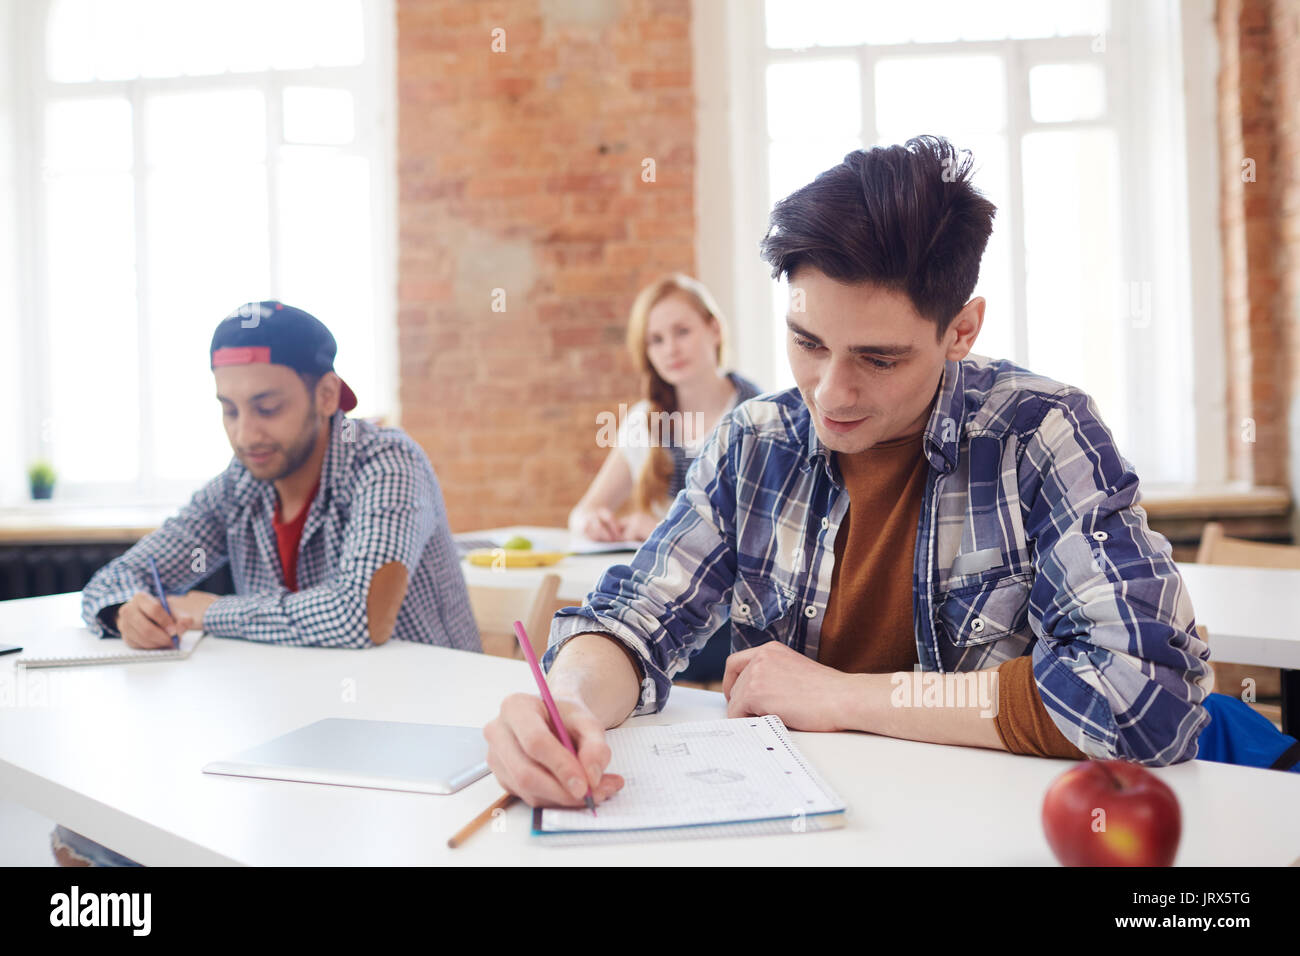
373, 85
1194, 355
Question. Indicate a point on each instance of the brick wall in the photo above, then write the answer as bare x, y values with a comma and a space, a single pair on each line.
1259, 116
524, 171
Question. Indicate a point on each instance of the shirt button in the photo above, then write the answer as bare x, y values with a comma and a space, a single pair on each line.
744, 609
1099, 536
826, 523
977, 625
810, 611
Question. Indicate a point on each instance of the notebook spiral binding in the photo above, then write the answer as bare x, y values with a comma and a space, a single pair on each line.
783, 735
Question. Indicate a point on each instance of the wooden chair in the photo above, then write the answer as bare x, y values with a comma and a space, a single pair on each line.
496, 610
1217, 548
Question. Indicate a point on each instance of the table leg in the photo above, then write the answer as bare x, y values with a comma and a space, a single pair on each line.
1291, 702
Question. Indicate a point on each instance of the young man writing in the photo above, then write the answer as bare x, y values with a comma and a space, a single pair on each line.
334, 529
906, 508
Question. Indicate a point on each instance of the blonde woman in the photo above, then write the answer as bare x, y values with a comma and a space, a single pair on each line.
675, 336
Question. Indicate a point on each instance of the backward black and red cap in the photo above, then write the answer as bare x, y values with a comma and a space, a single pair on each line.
277, 334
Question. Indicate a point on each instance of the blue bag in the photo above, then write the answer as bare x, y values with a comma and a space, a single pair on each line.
1237, 734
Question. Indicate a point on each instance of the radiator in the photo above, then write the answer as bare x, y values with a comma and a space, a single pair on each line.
34, 570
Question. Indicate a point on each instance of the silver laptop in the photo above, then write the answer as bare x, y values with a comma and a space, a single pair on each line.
382, 754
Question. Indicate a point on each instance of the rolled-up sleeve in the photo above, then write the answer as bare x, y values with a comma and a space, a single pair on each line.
1118, 664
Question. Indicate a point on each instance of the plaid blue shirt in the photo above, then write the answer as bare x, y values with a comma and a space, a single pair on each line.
378, 502
1030, 541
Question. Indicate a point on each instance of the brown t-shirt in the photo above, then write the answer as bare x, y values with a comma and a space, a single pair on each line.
868, 627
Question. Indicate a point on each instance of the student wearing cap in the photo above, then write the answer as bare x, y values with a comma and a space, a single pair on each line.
915, 541
333, 528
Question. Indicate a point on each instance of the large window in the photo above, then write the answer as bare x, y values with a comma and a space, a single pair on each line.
187, 156
1086, 273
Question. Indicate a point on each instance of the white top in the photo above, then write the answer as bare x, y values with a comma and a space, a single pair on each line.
635, 437
116, 753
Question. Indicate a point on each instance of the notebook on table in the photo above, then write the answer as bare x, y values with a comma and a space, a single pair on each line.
736, 777
74, 646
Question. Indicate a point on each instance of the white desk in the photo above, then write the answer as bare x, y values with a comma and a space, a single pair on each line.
578, 573
1250, 614
117, 753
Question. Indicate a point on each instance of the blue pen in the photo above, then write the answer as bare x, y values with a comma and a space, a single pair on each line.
162, 596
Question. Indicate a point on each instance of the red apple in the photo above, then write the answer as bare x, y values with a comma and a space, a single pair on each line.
1111, 813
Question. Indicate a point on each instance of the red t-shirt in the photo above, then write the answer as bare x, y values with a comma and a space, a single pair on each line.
287, 537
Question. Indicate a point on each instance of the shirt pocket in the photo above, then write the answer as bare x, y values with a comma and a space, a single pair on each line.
984, 612
759, 604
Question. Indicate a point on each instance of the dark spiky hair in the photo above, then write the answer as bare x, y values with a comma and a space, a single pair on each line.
904, 218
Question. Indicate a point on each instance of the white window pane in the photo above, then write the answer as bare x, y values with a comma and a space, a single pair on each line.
251, 37
337, 32
992, 178
1030, 18
209, 128
70, 42
1063, 92
94, 372
318, 115
783, 378
1072, 263
123, 39
797, 24
941, 94
315, 33
325, 256
997, 335
795, 163
940, 21
88, 134
200, 40
117, 39
189, 39
1082, 18
986, 20
208, 253
884, 23
164, 32
818, 98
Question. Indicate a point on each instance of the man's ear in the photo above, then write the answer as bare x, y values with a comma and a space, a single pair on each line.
327, 394
966, 324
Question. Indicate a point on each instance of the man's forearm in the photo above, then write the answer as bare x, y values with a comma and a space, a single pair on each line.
595, 669
937, 708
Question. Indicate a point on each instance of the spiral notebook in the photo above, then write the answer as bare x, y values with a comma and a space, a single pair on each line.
74, 646
709, 778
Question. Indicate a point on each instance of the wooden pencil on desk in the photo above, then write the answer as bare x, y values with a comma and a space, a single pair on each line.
468, 830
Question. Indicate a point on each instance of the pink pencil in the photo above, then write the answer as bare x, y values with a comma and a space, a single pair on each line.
550, 701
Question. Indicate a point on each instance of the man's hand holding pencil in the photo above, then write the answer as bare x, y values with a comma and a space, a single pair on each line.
528, 758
